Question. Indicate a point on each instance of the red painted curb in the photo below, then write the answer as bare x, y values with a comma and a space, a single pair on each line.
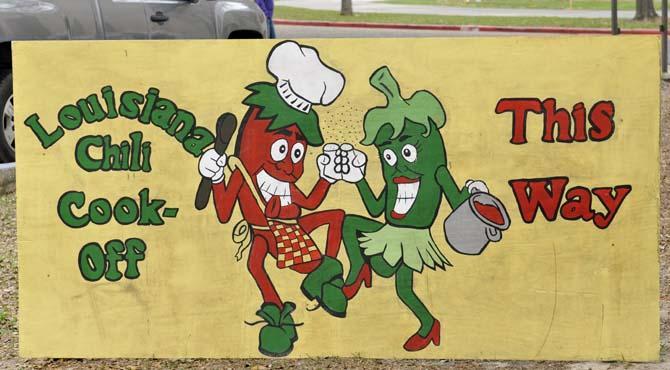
439, 27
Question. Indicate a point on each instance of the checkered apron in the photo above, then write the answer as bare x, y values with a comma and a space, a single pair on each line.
294, 245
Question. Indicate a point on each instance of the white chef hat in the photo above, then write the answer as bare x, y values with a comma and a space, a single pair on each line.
302, 78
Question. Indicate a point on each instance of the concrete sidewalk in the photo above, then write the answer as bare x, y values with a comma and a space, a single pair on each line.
378, 6
460, 30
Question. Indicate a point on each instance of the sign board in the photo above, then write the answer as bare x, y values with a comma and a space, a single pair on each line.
408, 198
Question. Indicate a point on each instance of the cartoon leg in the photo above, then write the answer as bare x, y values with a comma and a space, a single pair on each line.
430, 327
353, 226
324, 281
381, 267
276, 338
312, 221
334, 219
256, 266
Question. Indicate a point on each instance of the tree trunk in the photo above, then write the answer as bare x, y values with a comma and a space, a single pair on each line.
347, 8
644, 10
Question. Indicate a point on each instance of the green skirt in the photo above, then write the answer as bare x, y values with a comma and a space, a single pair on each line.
415, 247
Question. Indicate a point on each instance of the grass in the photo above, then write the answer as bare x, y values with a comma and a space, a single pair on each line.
8, 279
283, 12
529, 4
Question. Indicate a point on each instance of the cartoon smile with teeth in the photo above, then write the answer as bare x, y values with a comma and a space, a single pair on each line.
269, 157
406, 135
277, 130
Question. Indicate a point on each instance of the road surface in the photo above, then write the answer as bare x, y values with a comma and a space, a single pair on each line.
377, 6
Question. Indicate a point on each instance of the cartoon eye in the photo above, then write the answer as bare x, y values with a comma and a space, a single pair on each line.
389, 157
409, 152
297, 152
279, 150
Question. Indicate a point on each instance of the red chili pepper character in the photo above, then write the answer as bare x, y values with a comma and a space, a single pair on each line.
269, 159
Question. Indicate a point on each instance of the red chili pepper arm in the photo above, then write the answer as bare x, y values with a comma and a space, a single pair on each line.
314, 199
225, 196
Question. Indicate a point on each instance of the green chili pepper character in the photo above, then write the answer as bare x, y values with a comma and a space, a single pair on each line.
414, 167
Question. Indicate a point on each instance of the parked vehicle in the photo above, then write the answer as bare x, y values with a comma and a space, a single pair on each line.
114, 19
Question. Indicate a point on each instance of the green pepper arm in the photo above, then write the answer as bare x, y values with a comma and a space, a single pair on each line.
374, 205
454, 195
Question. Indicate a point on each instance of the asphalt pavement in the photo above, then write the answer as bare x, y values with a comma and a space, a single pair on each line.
378, 6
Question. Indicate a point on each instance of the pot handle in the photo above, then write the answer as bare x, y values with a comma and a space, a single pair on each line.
493, 234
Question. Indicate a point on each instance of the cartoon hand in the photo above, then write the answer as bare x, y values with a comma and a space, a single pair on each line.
351, 164
211, 165
477, 186
326, 163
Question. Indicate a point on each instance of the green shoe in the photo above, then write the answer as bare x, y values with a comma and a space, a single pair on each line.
325, 286
286, 321
338, 282
273, 340
333, 300
328, 270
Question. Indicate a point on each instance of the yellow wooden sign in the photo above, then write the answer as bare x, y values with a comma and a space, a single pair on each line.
417, 198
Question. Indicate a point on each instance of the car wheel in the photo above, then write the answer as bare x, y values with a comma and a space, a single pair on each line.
7, 145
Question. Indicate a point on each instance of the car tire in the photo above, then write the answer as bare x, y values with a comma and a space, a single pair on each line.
7, 145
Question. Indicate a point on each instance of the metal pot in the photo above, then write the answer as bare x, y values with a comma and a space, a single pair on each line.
469, 231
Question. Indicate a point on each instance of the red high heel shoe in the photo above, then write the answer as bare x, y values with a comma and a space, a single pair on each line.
364, 276
417, 342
